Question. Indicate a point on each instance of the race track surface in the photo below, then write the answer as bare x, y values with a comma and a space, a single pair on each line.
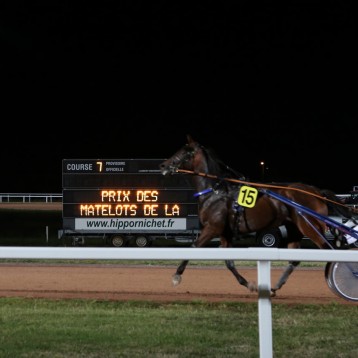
117, 282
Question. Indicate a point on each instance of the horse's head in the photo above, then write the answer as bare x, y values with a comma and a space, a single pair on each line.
181, 159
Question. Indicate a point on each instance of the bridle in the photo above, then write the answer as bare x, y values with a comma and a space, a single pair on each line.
180, 159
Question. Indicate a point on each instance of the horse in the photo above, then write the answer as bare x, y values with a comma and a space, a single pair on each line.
220, 216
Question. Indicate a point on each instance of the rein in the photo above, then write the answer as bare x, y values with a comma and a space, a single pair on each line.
253, 184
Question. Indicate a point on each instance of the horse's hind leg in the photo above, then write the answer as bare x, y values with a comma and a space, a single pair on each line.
250, 285
284, 277
177, 276
296, 236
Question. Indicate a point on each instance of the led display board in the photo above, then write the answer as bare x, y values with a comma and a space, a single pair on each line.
124, 188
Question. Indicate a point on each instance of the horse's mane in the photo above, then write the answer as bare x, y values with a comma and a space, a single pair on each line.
217, 167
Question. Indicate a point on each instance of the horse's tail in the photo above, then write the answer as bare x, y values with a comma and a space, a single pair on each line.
340, 208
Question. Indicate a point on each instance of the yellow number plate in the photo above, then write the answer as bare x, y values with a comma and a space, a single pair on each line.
247, 196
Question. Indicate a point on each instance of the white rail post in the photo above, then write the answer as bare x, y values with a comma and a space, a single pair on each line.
264, 308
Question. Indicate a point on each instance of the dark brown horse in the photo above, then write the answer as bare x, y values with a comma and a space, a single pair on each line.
221, 216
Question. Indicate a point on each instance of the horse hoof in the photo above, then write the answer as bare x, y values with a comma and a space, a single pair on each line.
176, 280
273, 293
252, 287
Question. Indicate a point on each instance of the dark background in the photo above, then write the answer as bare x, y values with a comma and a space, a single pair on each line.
116, 79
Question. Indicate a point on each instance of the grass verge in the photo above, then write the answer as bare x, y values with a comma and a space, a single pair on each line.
86, 328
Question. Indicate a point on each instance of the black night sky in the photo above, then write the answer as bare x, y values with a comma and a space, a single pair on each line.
255, 81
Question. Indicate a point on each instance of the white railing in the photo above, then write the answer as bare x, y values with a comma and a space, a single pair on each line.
29, 197
263, 256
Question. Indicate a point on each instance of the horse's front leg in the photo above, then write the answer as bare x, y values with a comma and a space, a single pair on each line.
242, 281
177, 276
176, 279
284, 277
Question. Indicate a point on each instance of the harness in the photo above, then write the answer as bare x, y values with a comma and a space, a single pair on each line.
203, 192
238, 209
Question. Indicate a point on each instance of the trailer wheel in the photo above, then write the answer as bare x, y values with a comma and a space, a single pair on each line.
118, 241
269, 238
142, 241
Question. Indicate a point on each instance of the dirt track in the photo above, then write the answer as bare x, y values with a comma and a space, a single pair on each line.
115, 282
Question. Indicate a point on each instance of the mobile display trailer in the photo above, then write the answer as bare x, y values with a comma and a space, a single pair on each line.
126, 201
